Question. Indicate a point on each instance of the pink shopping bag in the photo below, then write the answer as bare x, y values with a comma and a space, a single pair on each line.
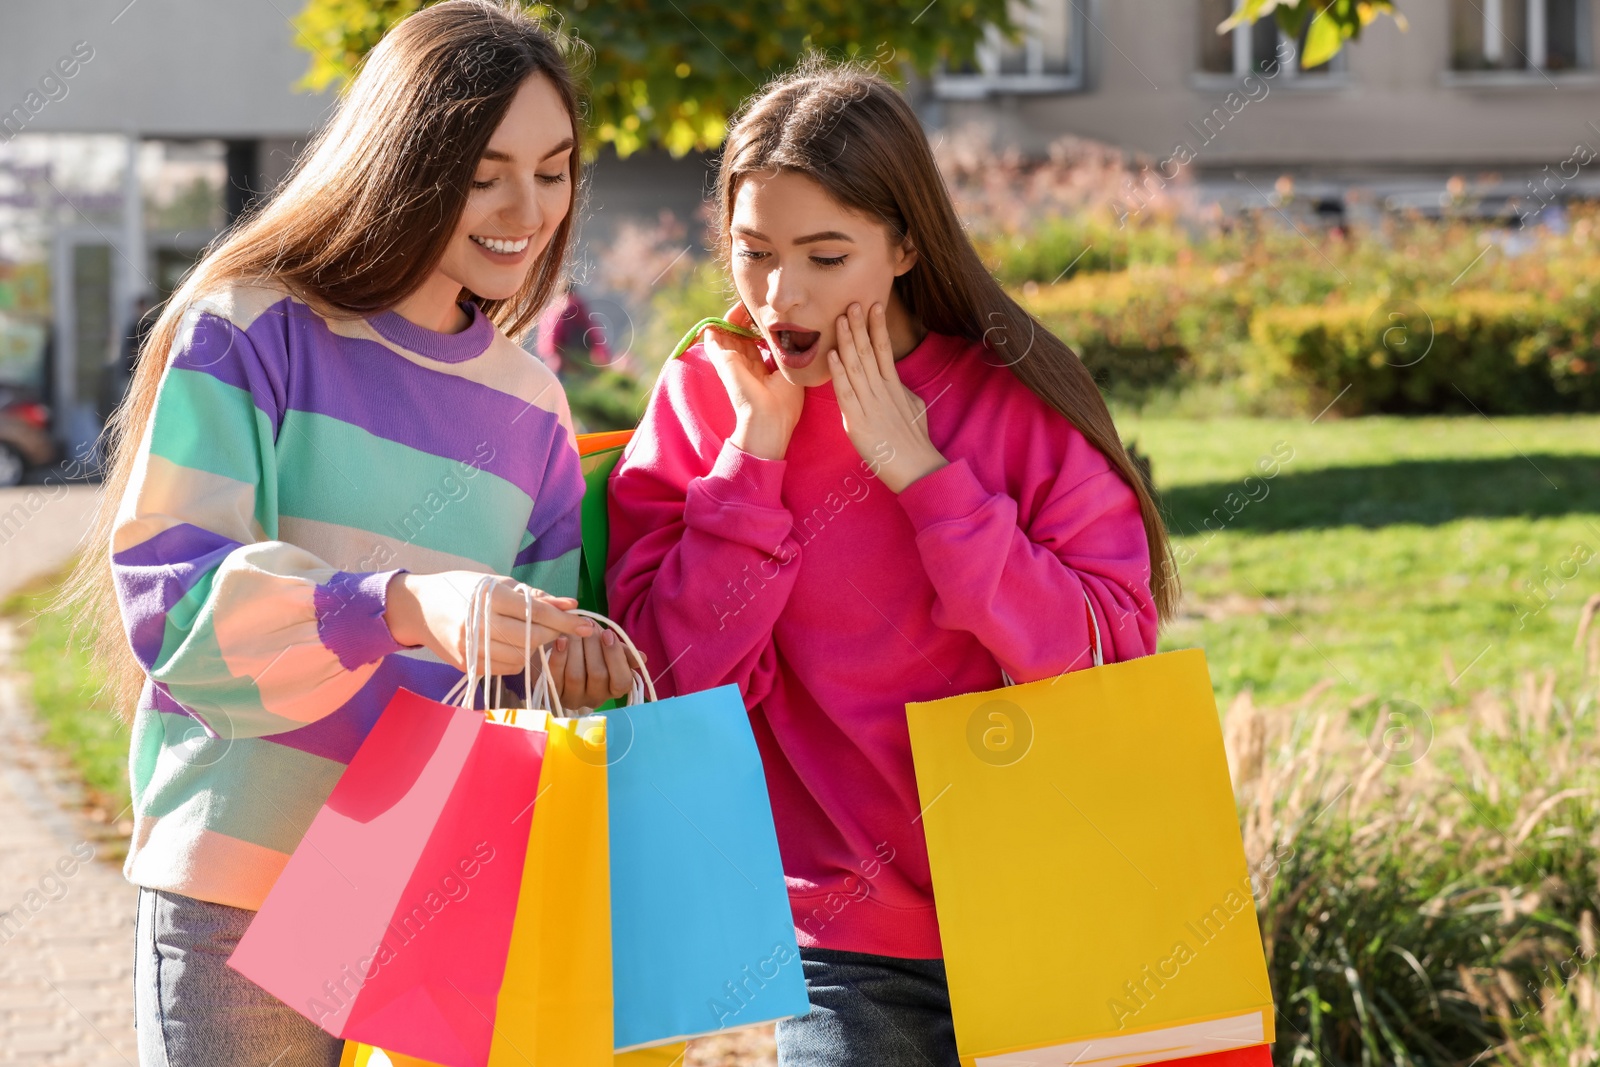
392, 921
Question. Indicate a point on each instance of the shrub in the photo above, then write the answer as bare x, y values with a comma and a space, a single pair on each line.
1124, 328
1496, 352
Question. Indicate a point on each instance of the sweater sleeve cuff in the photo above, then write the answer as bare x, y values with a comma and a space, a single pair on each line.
350, 618
741, 500
949, 494
737, 477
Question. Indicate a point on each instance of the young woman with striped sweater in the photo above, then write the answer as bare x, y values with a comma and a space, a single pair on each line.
330, 440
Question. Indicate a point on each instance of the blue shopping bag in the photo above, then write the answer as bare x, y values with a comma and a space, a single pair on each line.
702, 938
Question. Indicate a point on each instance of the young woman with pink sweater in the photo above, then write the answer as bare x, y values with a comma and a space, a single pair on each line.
902, 491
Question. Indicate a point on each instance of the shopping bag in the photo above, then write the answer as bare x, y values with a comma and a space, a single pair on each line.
702, 934
702, 938
392, 919
359, 1055
652, 906
598, 454
376, 930
1093, 897
554, 1005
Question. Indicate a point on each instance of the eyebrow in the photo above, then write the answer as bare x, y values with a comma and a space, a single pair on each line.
810, 238
494, 155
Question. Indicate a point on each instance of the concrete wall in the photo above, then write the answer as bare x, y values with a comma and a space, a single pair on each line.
180, 68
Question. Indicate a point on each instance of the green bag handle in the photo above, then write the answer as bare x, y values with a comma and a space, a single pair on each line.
700, 327
597, 468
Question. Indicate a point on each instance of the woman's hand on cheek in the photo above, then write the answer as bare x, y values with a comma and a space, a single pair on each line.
886, 421
765, 403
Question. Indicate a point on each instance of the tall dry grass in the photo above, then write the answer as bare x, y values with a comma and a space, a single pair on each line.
1427, 880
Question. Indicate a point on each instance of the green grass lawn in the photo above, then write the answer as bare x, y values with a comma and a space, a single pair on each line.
1387, 555
65, 693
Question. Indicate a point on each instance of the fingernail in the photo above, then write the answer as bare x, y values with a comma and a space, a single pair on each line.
609, 638
561, 644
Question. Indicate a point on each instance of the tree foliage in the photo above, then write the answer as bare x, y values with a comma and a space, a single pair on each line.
1332, 22
673, 71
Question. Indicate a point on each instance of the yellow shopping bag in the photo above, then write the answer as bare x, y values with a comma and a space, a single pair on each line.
1093, 895
555, 1004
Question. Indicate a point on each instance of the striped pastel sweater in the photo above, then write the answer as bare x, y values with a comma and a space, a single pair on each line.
294, 463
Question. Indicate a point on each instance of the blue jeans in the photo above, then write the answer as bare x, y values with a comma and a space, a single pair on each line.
192, 1010
870, 1011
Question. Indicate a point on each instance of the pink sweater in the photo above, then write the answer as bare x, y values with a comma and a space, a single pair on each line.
831, 602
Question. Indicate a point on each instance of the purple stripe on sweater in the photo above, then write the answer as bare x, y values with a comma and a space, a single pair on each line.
554, 522
350, 617
337, 736
157, 697
554, 543
152, 576
363, 383
256, 362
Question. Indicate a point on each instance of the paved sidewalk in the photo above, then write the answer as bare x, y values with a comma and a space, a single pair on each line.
40, 527
66, 925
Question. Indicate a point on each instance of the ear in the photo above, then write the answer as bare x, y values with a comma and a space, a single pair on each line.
905, 257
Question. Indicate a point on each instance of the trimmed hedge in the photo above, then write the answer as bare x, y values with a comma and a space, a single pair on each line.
1496, 352
1500, 353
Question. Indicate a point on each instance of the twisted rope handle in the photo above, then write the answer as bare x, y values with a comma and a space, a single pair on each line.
644, 687
477, 645
540, 694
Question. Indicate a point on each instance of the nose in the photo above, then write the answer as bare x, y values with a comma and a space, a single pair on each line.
528, 213
783, 290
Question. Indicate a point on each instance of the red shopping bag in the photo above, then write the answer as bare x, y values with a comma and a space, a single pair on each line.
392, 921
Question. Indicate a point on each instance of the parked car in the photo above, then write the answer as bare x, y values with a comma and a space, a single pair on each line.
25, 440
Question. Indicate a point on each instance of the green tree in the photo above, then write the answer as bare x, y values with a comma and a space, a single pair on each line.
672, 71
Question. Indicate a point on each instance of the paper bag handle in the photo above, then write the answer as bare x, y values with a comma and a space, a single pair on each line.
540, 694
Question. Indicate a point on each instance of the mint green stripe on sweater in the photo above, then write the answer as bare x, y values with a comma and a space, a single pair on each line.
199, 678
252, 789
200, 423
558, 577
350, 477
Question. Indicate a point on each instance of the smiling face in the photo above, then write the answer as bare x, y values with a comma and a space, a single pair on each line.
800, 259
520, 193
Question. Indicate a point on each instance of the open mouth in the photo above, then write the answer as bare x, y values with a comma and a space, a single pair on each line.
796, 347
501, 246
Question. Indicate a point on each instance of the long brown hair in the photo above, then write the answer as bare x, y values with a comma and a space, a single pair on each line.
360, 223
854, 134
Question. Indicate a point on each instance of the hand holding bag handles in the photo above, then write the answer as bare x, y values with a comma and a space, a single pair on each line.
539, 694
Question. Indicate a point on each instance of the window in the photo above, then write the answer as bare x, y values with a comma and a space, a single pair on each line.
1249, 49
1548, 35
1046, 57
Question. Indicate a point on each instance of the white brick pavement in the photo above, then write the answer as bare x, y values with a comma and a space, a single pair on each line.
66, 946
40, 527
